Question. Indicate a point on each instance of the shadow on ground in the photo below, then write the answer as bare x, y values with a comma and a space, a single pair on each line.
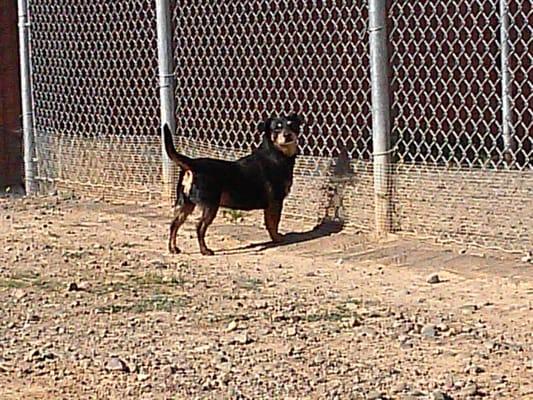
325, 228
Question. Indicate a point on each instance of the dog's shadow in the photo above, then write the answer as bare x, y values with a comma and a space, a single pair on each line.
325, 228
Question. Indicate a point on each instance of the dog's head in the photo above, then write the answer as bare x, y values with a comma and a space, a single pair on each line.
283, 132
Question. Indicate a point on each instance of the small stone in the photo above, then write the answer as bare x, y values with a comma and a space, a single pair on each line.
374, 395
433, 278
170, 370
400, 387
470, 389
528, 258
291, 331
73, 287
242, 339
143, 377
261, 305
202, 349
442, 327
403, 338
429, 331
85, 286
158, 264
116, 364
438, 395
368, 332
19, 294
474, 369
231, 326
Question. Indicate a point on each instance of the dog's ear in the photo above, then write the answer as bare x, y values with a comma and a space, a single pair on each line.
264, 125
296, 118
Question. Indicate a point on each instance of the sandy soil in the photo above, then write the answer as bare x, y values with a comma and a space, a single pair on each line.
93, 306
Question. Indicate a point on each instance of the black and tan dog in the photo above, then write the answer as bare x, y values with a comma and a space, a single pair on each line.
258, 181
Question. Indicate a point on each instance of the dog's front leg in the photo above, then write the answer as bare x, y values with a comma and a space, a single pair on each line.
272, 218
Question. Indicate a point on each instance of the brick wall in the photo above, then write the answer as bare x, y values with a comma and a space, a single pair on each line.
10, 135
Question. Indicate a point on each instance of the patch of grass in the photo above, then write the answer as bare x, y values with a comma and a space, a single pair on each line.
144, 281
233, 215
152, 279
11, 283
28, 279
249, 283
340, 313
154, 303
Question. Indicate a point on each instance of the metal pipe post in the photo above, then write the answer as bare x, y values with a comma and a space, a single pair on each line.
26, 98
166, 88
379, 69
506, 103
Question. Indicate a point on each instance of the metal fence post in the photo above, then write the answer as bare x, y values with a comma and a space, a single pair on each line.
26, 99
505, 93
379, 74
166, 88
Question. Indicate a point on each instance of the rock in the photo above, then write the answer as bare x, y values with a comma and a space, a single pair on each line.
242, 339
261, 304
403, 338
470, 389
474, 369
19, 294
116, 364
398, 388
202, 349
73, 287
438, 395
433, 278
367, 332
528, 258
231, 326
85, 286
291, 331
158, 264
170, 370
429, 331
143, 377
374, 395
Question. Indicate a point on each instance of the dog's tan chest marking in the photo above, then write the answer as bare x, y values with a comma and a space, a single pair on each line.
188, 179
288, 149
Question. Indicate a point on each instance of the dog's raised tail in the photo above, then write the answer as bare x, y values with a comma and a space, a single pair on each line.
182, 161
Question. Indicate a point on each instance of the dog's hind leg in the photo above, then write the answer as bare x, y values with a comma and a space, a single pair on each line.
185, 210
272, 218
209, 213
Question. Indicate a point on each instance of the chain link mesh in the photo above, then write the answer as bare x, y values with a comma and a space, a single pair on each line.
520, 65
240, 62
453, 177
447, 83
95, 89
95, 92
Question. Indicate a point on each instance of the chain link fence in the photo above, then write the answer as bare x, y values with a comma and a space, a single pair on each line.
454, 177
460, 99
95, 94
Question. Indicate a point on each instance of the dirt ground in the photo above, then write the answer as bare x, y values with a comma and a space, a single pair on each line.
94, 307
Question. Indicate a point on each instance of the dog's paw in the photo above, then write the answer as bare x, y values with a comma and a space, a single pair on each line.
277, 238
207, 252
174, 250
